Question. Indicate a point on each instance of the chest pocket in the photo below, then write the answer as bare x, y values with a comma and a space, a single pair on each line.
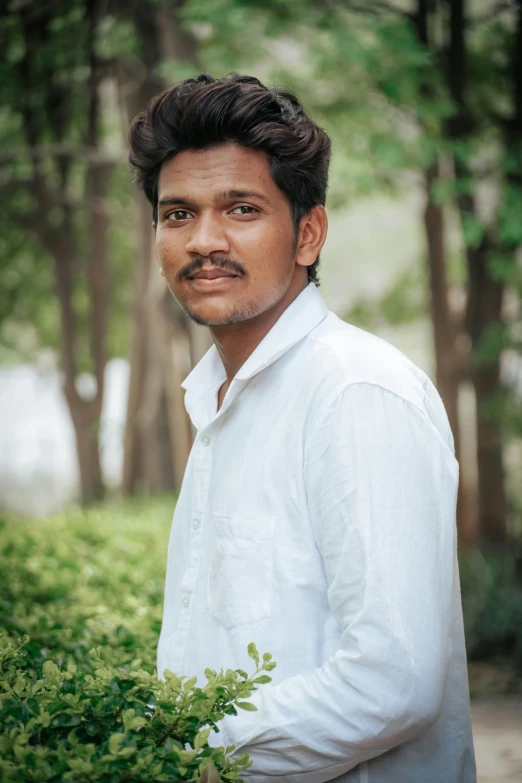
240, 578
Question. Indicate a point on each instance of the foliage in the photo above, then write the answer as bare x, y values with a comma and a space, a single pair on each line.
393, 101
79, 696
116, 724
44, 120
111, 724
403, 302
491, 584
426, 88
360, 76
86, 579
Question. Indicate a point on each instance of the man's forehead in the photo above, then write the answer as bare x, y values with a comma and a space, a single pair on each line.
217, 171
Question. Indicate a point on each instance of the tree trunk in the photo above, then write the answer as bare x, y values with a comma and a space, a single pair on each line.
133, 467
84, 414
86, 429
484, 303
87, 415
177, 365
158, 435
485, 297
449, 364
152, 421
50, 189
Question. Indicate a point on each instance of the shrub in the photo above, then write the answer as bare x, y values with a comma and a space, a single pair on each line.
492, 602
116, 725
87, 579
81, 599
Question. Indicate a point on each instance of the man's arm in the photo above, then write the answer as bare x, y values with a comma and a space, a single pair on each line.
381, 482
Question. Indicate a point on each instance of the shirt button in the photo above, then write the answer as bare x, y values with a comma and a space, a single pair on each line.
185, 600
196, 523
205, 440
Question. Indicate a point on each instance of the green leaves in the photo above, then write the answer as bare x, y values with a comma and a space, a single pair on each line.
201, 739
51, 673
402, 303
253, 653
473, 230
80, 722
115, 741
79, 698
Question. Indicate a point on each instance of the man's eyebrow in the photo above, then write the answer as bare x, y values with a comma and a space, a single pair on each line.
231, 194
171, 200
225, 195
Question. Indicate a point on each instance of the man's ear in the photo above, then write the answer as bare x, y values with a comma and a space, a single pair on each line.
154, 227
312, 235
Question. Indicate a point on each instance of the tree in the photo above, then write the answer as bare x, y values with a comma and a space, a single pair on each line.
395, 94
430, 82
165, 343
55, 181
476, 121
493, 243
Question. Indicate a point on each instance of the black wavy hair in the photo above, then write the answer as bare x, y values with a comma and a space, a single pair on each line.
204, 112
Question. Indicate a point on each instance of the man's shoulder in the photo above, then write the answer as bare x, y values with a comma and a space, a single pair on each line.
342, 355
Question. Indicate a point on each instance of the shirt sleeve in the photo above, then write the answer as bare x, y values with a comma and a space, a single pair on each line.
381, 481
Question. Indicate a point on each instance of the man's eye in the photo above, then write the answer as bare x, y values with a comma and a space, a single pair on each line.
244, 210
178, 214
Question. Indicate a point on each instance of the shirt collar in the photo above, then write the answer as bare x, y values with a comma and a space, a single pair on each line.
300, 317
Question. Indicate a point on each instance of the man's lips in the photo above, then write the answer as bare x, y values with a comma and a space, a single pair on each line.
211, 274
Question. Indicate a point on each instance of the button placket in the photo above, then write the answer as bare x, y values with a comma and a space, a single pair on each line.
201, 469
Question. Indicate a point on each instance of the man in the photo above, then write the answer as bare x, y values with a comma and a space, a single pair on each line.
317, 512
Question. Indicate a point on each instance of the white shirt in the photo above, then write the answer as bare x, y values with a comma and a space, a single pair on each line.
317, 519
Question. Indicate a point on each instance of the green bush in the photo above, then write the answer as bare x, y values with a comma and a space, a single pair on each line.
87, 579
491, 585
116, 725
81, 603
81, 599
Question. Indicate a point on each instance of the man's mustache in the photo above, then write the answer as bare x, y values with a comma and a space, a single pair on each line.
218, 262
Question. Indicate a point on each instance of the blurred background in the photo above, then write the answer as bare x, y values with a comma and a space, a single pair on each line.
423, 102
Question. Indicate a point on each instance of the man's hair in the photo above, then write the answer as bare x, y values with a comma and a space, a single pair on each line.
204, 112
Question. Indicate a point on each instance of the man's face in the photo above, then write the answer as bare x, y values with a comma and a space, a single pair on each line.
220, 210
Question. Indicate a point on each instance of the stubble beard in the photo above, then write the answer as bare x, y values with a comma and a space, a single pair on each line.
242, 312
238, 314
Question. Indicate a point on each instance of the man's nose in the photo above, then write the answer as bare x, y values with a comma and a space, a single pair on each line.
208, 236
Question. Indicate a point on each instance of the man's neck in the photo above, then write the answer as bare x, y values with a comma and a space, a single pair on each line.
236, 342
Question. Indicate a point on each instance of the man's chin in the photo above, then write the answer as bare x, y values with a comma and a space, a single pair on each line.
202, 314
208, 316
212, 321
